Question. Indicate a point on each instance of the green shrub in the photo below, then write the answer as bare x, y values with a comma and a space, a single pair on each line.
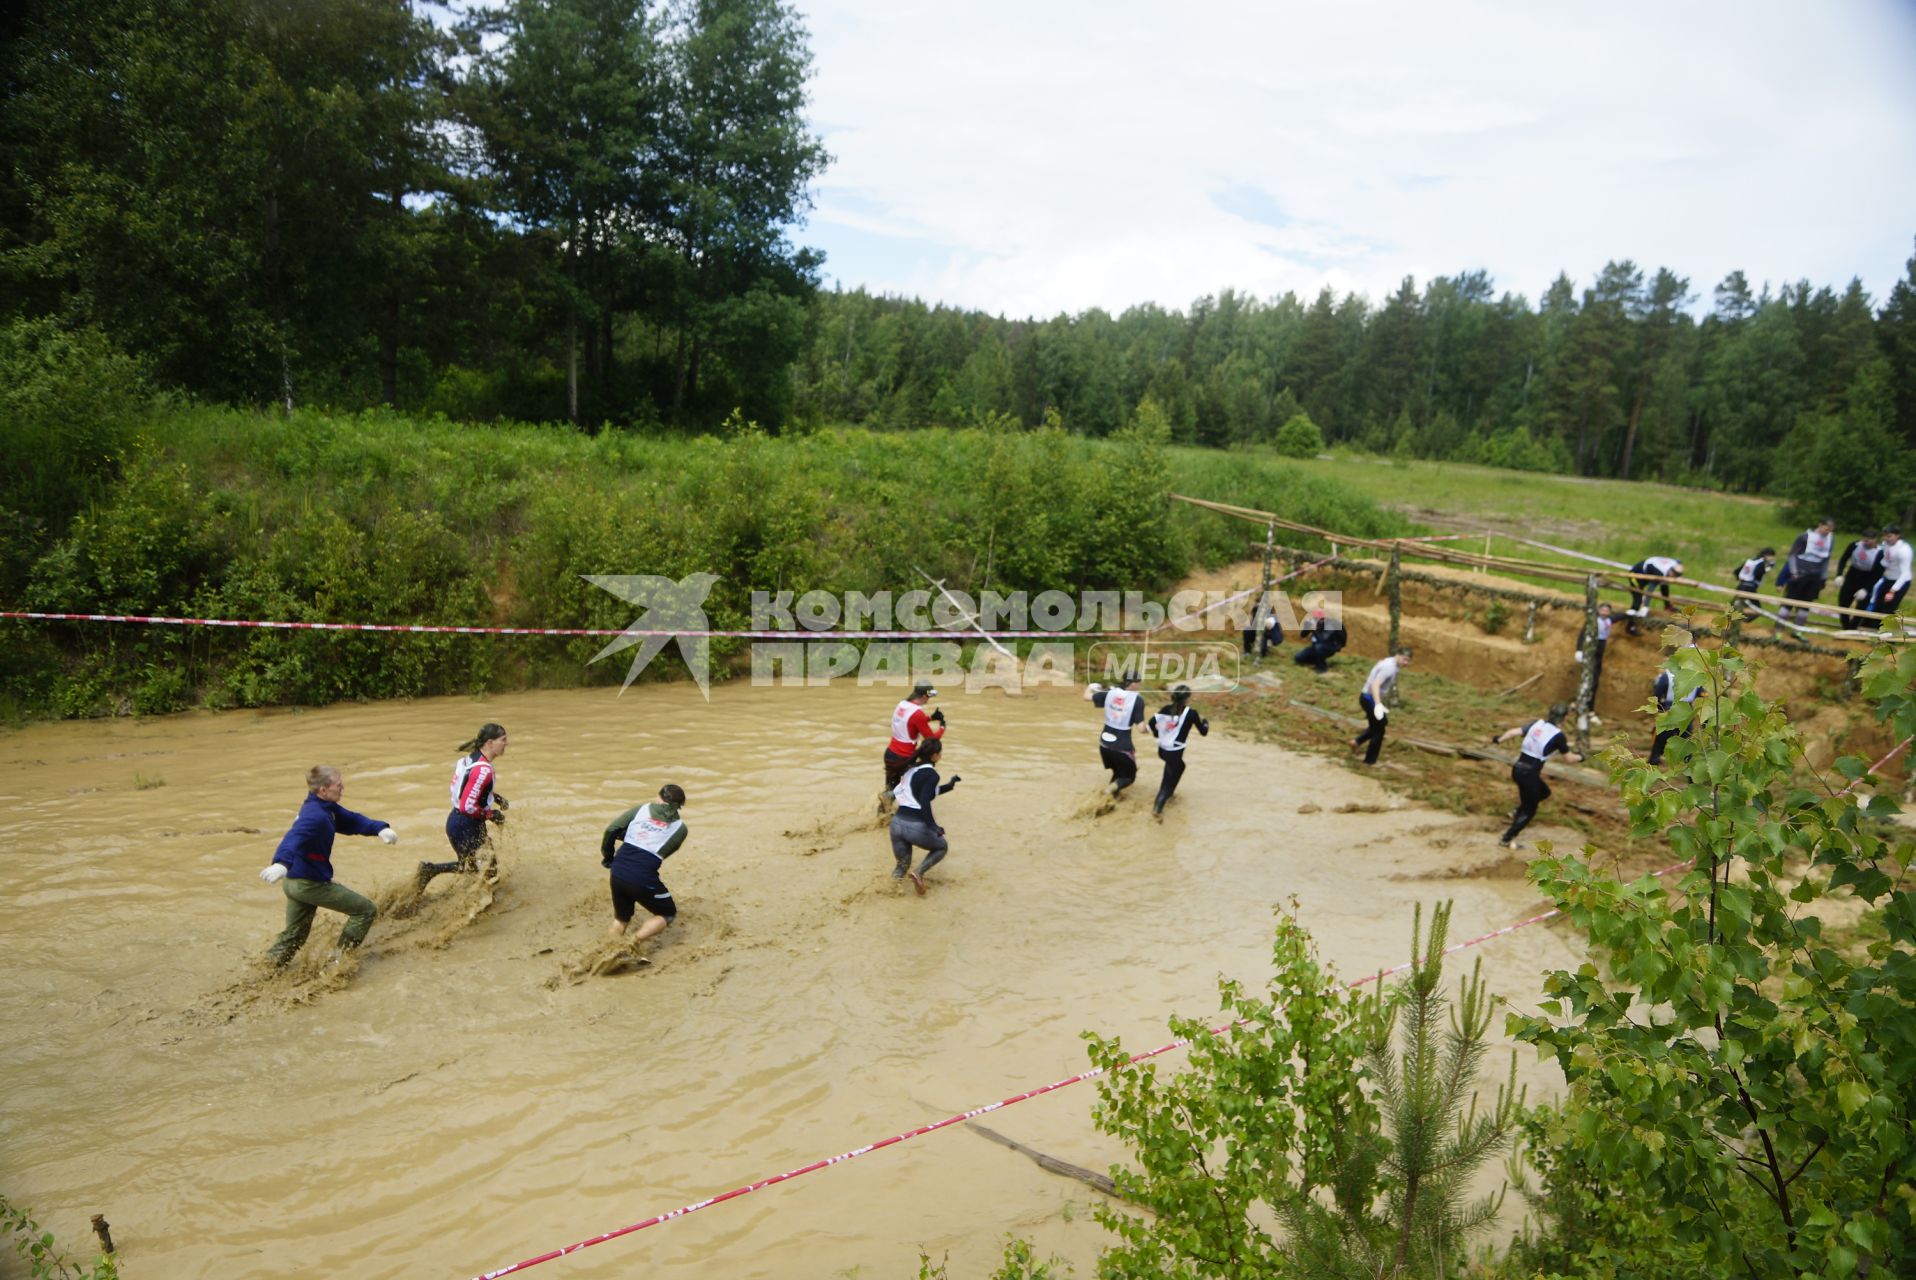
1299, 438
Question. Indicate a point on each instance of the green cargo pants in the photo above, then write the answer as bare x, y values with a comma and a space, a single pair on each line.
303, 898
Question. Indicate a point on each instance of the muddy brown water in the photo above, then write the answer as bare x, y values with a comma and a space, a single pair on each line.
454, 1102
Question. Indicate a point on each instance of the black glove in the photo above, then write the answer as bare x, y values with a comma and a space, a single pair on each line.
500, 802
955, 779
605, 859
1204, 725
498, 817
938, 715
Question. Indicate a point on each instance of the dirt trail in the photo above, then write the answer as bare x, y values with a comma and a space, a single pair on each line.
490, 1077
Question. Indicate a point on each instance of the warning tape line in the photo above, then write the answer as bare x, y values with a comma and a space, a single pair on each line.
1056, 1085
987, 1109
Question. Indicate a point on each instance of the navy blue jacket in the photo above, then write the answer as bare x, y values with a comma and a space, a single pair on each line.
306, 850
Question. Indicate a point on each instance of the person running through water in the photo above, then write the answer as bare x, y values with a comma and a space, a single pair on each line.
1123, 707
634, 849
474, 803
1326, 641
1807, 568
1665, 567
1861, 565
1379, 685
1749, 577
909, 727
1663, 689
913, 826
1541, 739
302, 866
1173, 724
1886, 597
1604, 622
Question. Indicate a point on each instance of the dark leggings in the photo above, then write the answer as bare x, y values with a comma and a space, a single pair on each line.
1122, 764
1173, 770
1663, 740
908, 832
1532, 791
1373, 731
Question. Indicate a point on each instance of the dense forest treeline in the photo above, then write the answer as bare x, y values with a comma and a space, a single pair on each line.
583, 210
1803, 389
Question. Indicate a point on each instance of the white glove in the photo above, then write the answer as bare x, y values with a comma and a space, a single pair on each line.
274, 873
1578, 656
389, 835
1383, 712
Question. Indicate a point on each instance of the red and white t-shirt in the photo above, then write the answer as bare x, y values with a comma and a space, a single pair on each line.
909, 723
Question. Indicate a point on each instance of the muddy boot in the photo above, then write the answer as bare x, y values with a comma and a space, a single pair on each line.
427, 870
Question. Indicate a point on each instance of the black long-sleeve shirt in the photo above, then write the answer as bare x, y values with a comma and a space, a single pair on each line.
923, 784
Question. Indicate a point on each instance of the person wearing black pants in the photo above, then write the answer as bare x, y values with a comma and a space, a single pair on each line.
1123, 707
1644, 583
1861, 565
1807, 568
1326, 639
1379, 685
912, 824
634, 849
1173, 724
1541, 739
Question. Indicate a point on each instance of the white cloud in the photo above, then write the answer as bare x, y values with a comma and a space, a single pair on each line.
1037, 158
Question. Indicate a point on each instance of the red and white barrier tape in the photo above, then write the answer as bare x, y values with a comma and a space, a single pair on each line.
1054, 1086
975, 1112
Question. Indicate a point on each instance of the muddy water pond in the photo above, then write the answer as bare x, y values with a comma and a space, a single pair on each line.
462, 1097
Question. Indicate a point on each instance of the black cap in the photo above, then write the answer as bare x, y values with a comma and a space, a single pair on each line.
923, 691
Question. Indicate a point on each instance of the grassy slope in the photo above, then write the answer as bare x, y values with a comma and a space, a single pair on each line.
1616, 519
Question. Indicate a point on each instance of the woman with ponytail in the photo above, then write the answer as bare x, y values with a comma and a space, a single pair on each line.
912, 825
474, 802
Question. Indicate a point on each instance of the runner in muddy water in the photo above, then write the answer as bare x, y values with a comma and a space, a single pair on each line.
474, 803
1172, 725
1123, 707
909, 727
913, 826
302, 866
1541, 739
634, 848
1379, 687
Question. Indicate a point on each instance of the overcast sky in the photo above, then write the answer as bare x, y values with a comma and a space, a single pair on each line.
1055, 155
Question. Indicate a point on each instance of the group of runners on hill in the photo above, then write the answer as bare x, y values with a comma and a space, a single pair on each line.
1875, 573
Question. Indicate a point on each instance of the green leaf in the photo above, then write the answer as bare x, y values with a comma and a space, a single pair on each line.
1852, 1096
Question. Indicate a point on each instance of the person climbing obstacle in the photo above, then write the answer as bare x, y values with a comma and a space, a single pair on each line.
1643, 584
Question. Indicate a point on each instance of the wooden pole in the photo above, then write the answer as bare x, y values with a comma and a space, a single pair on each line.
1394, 590
1587, 684
1530, 625
1261, 612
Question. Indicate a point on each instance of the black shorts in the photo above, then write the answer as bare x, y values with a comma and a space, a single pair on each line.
895, 766
466, 835
640, 887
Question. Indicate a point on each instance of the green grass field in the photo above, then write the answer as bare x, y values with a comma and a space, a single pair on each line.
1617, 519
